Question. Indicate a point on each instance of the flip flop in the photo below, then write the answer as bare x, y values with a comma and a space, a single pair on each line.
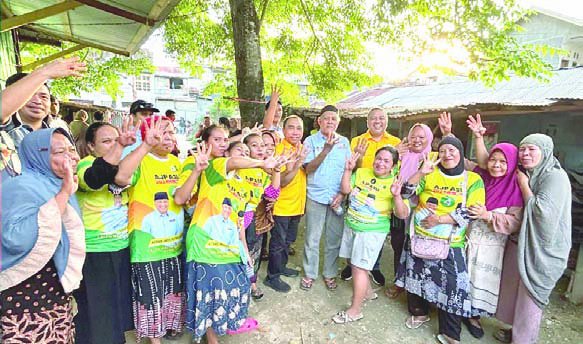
249, 325
374, 296
443, 339
503, 335
342, 317
306, 283
330, 283
412, 324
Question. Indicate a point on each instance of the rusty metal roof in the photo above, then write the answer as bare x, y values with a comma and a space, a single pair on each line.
451, 92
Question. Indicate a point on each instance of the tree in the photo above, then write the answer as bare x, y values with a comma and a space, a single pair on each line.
104, 70
324, 42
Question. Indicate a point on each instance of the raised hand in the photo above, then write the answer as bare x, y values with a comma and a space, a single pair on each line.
202, 157
62, 68
361, 146
475, 125
397, 186
153, 135
271, 163
275, 93
331, 141
70, 180
428, 165
256, 129
445, 123
403, 147
522, 178
351, 162
127, 136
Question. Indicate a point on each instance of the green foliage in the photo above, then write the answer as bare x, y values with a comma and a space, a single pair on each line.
323, 42
104, 70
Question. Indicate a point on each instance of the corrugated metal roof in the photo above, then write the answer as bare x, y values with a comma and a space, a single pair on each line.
90, 24
460, 91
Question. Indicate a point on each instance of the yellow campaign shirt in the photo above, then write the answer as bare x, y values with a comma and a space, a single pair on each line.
255, 180
373, 146
155, 228
371, 201
442, 194
292, 197
104, 211
213, 235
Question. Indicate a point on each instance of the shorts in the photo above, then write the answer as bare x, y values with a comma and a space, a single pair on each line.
363, 248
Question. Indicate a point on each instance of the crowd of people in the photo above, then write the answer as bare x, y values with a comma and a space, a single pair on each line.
140, 240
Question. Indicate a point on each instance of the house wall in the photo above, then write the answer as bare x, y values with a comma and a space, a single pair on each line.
563, 127
556, 33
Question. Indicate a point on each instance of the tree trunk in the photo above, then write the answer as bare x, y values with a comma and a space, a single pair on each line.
248, 59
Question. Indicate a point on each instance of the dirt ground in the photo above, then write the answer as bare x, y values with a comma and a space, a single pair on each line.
304, 317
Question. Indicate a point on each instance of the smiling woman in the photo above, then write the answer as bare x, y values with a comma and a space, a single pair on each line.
43, 246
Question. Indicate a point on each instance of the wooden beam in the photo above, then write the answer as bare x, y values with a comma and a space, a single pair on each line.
27, 18
52, 57
80, 41
118, 12
40, 40
6, 12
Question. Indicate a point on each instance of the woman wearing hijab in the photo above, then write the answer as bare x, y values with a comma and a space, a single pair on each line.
544, 241
500, 217
419, 145
443, 282
43, 242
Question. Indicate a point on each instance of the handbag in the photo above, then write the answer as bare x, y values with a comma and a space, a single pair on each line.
434, 248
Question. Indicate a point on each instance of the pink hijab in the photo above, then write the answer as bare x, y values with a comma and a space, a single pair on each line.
410, 161
503, 191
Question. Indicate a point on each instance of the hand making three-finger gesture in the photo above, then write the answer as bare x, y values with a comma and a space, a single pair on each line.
154, 132
127, 135
475, 125
428, 165
202, 157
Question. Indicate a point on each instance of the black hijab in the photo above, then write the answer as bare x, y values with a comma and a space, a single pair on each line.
459, 169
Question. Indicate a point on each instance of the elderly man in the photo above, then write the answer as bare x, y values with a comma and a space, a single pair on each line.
366, 145
324, 165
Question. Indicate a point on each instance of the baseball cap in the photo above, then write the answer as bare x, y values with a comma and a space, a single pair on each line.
141, 105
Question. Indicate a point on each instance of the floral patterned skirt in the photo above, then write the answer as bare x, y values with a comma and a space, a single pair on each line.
218, 297
443, 282
37, 310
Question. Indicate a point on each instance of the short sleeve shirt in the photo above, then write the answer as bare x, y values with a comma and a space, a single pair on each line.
213, 235
442, 194
155, 240
371, 202
104, 212
292, 198
373, 146
324, 183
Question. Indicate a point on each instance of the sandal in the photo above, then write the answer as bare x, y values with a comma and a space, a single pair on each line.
503, 335
306, 283
250, 324
292, 251
172, 335
443, 339
374, 296
343, 318
393, 292
257, 294
331, 283
413, 323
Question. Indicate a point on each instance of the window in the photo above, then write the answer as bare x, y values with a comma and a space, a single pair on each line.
176, 83
143, 82
564, 63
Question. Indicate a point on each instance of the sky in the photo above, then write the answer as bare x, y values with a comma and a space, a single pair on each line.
386, 61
